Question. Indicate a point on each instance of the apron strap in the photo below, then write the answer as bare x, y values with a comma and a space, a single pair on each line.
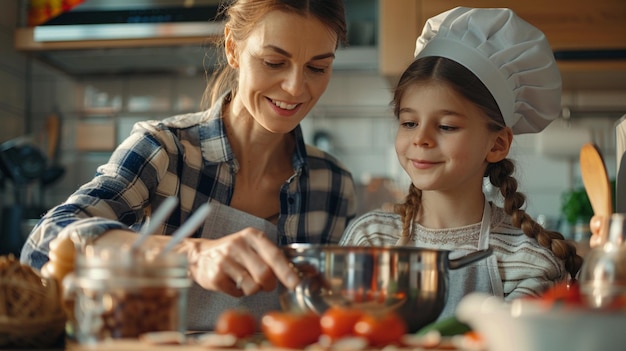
483, 244
485, 227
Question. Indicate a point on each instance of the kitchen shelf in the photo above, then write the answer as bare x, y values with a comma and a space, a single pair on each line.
98, 48
593, 74
569, 25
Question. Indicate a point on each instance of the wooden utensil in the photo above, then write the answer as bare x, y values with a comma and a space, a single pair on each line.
597, 184
53, 132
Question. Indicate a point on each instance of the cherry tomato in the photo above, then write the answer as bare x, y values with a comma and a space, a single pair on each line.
290, 329
567, 293
237, 322
337, 322
381, 330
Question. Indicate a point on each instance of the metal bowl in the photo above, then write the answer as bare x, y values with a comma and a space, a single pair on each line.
411, 281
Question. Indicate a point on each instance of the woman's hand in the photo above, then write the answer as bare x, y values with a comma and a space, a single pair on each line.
239, 264
596, 226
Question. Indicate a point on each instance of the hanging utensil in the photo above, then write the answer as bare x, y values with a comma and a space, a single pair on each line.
597, 184
54, 171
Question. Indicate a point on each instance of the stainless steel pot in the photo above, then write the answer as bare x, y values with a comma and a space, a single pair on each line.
411, 281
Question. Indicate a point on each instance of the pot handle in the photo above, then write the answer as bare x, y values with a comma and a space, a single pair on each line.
469, 258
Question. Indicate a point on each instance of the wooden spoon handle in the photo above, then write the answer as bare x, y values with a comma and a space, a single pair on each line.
596, 181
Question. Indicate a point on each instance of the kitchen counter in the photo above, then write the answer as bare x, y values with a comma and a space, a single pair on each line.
133, 344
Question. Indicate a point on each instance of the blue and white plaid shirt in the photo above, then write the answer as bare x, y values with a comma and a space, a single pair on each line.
189, 156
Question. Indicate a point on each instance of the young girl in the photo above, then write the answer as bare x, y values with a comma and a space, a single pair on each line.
480, 76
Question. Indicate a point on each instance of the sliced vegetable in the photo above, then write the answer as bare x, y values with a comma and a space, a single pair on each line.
446, 327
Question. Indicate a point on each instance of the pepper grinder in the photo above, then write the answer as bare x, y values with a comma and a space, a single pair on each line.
603, 273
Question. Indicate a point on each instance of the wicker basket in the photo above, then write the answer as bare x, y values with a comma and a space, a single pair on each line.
31, 314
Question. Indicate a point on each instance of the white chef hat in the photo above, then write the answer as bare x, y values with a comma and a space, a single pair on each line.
510, 56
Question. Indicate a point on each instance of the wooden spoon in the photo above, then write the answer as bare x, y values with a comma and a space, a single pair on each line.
597, 184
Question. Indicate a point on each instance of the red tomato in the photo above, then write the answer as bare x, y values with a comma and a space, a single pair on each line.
239, 323
381, 330
619, 303
567, 293
290, 329
337, 322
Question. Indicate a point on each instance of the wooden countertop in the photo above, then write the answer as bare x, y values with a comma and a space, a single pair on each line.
136, 345
132, 345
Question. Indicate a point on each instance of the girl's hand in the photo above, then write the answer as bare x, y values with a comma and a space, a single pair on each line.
239, 264
596, 226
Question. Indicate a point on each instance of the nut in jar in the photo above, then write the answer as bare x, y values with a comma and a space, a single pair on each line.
123, 294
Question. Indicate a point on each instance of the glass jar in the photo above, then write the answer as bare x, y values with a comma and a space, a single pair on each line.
603, 273
123, 294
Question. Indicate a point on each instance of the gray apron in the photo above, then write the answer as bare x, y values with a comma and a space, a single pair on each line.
204, 306
480, 276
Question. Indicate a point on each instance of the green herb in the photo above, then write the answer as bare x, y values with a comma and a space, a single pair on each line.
575, 204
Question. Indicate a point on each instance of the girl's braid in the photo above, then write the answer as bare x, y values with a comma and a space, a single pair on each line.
409, 209
500, 175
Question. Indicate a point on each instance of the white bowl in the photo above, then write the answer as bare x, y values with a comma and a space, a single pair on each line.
528, 325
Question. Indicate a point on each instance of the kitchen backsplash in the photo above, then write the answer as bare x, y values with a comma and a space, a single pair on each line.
353, 117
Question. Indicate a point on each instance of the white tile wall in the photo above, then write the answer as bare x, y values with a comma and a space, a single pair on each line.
103, 94
188, 93
149, 94
355, 111
356, 89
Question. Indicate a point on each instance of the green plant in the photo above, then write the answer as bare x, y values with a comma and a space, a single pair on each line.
575, 204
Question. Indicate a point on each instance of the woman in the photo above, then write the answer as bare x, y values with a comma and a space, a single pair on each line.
245, 154
480, 76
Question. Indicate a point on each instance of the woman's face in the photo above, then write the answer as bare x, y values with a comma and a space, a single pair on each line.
284, 68
443, 141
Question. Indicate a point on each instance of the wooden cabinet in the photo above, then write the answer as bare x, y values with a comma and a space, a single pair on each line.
579, 26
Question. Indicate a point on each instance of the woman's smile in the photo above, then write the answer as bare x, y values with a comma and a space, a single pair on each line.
284, 105
284, 108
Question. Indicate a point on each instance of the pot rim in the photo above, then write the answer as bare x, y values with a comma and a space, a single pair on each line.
459, 262
343, 248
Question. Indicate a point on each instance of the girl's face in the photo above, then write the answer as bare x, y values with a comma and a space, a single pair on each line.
284, 68
443, 141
